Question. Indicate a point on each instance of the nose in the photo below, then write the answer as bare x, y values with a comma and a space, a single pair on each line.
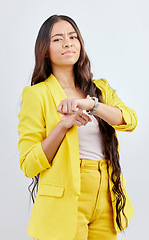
67, 43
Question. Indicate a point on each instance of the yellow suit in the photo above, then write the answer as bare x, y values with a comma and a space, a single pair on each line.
54, 214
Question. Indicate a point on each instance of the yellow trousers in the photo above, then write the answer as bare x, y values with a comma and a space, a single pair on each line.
95, 215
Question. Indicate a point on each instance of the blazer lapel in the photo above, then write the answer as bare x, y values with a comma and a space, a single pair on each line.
72, 135
56, 90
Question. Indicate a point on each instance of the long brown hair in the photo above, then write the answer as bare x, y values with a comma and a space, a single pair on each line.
83, 80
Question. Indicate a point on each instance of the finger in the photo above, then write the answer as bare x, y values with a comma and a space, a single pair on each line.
82, 120
60, 108
79, 112
74, 106
69, 107
65, 107
76, 119
83, 117
77, 123
86, 117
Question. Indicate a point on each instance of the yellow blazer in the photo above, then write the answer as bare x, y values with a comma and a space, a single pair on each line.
54, 214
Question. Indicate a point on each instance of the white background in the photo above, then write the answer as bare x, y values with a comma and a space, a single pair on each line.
116, 35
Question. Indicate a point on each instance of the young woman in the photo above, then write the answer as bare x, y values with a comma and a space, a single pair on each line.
68, 141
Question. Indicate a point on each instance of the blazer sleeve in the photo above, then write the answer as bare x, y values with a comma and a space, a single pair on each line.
111, 98
31, 130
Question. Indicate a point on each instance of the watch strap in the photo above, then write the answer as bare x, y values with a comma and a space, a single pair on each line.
94, 109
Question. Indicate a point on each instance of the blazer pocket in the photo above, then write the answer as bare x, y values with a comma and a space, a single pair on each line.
51, 190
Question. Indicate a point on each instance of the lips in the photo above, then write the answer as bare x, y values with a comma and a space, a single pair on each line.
68, 53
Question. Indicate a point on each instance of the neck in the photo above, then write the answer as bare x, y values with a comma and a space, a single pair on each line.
65, 76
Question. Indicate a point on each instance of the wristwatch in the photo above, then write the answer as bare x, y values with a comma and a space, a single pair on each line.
94, 109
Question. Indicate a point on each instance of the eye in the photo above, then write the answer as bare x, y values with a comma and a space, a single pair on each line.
73, 37
57, 39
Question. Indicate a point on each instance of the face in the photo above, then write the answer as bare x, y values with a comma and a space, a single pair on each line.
64, 48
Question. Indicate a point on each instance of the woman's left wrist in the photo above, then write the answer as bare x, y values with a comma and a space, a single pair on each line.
94, 106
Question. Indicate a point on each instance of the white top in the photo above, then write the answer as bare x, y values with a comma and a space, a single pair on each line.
90, 141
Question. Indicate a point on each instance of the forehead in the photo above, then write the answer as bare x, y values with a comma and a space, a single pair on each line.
62, 27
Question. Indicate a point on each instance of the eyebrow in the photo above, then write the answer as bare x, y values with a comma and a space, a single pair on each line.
61, 34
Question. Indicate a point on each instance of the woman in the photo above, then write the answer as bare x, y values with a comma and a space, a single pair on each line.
67, 134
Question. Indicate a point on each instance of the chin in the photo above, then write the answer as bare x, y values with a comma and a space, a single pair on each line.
70, 62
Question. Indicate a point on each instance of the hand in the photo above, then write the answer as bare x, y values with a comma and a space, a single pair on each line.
68, 106
78, 118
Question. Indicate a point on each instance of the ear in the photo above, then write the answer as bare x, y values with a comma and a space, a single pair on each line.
47, 55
